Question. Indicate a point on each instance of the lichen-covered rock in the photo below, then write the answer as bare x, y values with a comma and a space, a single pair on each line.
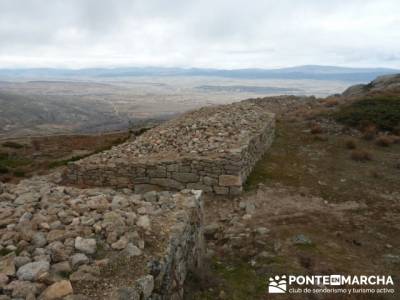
31, 271
87, 246
7, 265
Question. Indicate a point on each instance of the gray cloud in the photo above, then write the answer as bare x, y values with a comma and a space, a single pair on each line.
207, 33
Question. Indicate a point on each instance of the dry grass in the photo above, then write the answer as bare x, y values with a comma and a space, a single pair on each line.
395, 139
315, 128
384, 141
350, 144
360, 155
330, 102
369, 132
375, 174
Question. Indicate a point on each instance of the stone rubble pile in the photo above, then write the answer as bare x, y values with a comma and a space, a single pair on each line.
54, 239
212, 149
205, 131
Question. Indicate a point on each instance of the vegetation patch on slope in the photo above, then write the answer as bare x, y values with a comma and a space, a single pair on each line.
383, 112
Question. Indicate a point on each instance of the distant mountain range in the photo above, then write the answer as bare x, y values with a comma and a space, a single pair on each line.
300, 72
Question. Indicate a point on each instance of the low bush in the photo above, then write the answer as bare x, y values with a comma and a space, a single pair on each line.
19, 173
330, 102
383, 112
3, 170
369, 132
13, 145
383, 141
315, 128
350, 144
360, 155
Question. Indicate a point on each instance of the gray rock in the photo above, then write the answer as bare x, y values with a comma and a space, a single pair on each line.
3, 280
301, 239
78, 260
26, 217
21, 260
120, 244
61, 267
126, 294
27, 198
119, 202
211, 229
250, 208
7, 265
39, 239
391, 259
33, 270
144, 222
262, 230
131, 250
87, 246
22, 289
151, 196
146, 284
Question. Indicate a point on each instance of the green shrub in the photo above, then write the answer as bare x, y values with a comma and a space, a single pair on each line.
59, 163
13, 145
19, 173
3, 170
383, 112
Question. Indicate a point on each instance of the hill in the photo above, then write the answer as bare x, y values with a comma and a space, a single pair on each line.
315, 72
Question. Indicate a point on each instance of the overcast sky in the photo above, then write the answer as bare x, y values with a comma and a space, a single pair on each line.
199, 33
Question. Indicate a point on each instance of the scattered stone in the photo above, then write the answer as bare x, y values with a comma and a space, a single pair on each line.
301, 239
57, 290
210, 230
21, 260
144, 222
78, 260
87, 246
262, 230
3, 280
131, 250
62, 267
147, 285
7, 265
22, 289
151, 196
39, 239
31, 271
391, 259
120, 244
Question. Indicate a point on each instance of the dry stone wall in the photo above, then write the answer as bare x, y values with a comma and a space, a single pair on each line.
212, 149
64, 242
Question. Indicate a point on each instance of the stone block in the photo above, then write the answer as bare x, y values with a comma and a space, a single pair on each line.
167, 183
230, 180
185, 177
221, 190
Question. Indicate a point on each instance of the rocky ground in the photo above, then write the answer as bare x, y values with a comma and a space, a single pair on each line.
56, 241
309, 208
203, 132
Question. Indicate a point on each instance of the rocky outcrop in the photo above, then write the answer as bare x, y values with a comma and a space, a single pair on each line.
386, 84
58, 241
211, 149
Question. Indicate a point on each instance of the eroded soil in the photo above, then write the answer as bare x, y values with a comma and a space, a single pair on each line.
308, 209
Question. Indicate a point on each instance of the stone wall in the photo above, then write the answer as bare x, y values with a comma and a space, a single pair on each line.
183, 253
226, 157
59, 241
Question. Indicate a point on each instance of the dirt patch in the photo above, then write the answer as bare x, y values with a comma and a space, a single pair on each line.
309, 208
